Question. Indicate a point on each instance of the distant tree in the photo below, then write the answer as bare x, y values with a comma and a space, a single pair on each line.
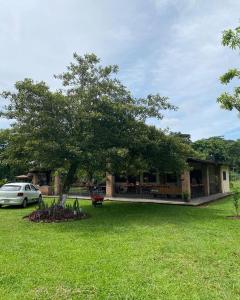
234, 155
215, 148
219, 149
8, 169
184, 136
93, 123
231, 38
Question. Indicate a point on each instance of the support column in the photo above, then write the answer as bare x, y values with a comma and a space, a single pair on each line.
205, 178
157, 178
110, 185
186, 185
141, 178
220, 178
35, 179
57, 185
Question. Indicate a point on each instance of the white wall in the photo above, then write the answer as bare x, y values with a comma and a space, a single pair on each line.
225, 183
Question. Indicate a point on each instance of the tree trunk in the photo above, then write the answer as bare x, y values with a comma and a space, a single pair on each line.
90, 177
69, 179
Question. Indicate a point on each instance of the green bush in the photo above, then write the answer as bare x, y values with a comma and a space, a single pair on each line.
185, 196
236, 198
3, 181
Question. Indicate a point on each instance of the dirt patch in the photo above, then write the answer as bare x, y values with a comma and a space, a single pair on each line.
233, 217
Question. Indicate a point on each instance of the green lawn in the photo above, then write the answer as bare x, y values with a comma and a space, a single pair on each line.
124, 251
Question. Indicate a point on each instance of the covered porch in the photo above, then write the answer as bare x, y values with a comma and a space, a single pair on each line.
203, 178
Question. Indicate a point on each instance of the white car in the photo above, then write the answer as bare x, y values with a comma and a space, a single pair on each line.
19, 193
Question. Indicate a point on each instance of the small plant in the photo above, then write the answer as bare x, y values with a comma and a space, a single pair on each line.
236, 198
2, 182
56, 212
41, 205
76, 207
185, 196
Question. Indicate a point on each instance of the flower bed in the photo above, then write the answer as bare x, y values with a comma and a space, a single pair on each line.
57, 213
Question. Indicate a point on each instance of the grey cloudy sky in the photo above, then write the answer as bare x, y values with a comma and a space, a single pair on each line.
168, 46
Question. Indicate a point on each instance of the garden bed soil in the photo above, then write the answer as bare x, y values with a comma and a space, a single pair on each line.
55, 214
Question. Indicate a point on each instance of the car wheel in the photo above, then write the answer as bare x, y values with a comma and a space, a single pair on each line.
24, 204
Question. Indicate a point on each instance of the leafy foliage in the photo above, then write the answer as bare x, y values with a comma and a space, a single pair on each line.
215, 148
236, 199
93, 123
56, 213
231, 38
218, 149
234, 154
9, 168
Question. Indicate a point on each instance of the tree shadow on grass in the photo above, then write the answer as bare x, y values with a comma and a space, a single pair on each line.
114, 216
18, 207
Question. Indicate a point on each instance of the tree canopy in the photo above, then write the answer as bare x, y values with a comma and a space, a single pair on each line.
231, 38
219, 149
215, 148
8, 169
93, 123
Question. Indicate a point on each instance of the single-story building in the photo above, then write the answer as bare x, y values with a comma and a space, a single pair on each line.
202, 178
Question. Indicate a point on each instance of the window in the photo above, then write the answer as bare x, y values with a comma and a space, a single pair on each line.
33, 188
224, 175
10, 188
27, 188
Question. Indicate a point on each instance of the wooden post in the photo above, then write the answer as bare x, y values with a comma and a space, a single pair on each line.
186, 185
110, 185
205, 178
35, 179
57, 185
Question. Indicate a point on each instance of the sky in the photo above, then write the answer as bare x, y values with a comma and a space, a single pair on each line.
170, 47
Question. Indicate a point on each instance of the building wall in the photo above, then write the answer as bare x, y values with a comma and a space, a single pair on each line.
57, 185
46, 190
186, 185
110, 185
225, 185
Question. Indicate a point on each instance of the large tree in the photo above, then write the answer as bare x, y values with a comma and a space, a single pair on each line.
92, 123
214, 148
8, 169
231, 38
219, 149
234, 155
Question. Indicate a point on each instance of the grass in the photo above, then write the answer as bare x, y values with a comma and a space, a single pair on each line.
124, 251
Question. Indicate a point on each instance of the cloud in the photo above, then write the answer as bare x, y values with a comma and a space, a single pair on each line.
187, 68
168, 46
163, 5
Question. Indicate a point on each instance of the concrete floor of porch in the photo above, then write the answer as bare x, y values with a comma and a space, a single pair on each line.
192, 202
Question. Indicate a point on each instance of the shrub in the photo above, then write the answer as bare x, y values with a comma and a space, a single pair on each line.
3, 181
55, 212
236, 198
185, 196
